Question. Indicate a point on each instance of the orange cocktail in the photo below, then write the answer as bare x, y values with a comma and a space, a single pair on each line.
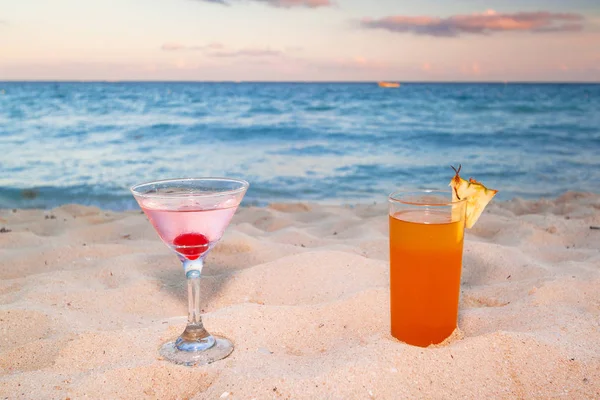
426, 245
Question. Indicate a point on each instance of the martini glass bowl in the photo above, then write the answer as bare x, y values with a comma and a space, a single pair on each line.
190, 216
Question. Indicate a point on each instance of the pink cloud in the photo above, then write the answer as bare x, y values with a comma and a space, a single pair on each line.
282, 3
480, 23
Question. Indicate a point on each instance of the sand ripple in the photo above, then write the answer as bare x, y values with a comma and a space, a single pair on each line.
87, 297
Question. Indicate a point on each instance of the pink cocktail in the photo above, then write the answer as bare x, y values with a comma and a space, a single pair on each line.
189, 232
190, 216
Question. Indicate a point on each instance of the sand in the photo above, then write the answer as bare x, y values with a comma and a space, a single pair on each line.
87, 296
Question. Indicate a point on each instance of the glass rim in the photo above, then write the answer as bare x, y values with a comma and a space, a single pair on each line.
394, 197
244, 186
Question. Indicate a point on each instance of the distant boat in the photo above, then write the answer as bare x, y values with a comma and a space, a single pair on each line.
388, 84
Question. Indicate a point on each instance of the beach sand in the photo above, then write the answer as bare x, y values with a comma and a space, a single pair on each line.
87, 296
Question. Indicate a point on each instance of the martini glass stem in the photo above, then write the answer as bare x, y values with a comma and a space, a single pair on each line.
193, 282
195, 337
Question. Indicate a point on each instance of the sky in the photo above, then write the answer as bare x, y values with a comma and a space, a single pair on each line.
300, 40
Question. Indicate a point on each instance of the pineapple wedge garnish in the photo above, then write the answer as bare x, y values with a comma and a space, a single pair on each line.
478, 196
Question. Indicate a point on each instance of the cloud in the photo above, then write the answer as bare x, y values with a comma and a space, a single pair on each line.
180, 47
281, 3
480, 23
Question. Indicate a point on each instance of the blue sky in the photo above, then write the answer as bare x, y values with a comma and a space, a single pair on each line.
310, 40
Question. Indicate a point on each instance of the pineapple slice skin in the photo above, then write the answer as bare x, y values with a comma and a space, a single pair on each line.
478, 196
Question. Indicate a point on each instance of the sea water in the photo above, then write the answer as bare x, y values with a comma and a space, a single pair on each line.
340, 143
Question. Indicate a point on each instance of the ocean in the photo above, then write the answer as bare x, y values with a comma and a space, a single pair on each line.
334, 143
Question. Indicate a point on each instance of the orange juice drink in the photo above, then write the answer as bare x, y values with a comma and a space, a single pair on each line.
426, 246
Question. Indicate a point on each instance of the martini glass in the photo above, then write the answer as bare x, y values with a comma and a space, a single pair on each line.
190, 216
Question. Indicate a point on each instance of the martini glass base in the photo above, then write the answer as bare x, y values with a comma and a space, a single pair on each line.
221, 349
